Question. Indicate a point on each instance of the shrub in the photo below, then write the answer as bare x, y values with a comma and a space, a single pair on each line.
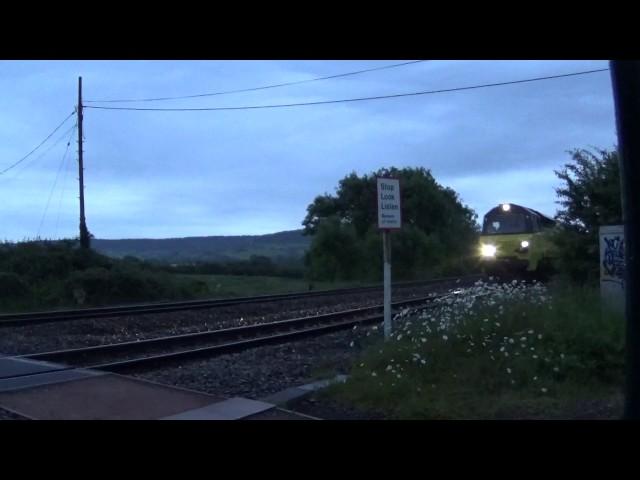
12, 287
45, 274
589, 198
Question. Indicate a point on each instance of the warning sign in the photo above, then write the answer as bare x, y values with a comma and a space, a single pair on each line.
389, 203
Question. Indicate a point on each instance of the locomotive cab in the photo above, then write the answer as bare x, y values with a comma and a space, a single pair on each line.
512, 239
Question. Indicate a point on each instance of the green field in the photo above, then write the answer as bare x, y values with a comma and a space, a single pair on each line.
224, 286
54, 275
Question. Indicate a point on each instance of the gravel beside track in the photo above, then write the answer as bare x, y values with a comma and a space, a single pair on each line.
262, 371
83, 333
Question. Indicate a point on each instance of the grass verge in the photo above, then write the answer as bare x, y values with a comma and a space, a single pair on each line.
493, 351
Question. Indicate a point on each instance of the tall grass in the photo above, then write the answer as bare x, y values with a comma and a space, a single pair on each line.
490, 348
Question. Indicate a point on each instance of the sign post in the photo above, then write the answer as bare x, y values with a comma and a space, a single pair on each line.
612, 267
386, 256
389, 218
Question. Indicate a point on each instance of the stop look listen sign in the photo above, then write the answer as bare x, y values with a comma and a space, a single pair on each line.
389, 213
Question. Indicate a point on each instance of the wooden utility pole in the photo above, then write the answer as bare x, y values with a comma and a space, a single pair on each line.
625, 77
84, 232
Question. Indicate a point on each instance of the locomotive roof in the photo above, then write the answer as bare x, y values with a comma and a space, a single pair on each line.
516, 207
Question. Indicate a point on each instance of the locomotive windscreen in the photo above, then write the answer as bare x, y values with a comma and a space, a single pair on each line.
501, 223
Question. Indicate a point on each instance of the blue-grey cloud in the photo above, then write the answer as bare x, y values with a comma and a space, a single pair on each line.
160, 174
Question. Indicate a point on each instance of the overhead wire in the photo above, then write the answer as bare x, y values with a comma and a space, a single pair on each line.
55, 182
360, 99
42, 154
15, 164
265, 87
62, 190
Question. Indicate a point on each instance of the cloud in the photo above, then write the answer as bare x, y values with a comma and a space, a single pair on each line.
158, 174
483, 192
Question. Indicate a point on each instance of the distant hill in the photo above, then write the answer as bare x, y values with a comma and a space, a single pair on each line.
286, 247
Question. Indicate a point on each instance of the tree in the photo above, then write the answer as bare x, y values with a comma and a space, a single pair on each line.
590, 197
346, 242
334, 252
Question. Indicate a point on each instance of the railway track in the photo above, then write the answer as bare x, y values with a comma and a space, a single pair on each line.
35, 318
159, 351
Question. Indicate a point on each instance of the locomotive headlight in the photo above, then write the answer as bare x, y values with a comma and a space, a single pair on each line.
488, 250
506, 207
524, 244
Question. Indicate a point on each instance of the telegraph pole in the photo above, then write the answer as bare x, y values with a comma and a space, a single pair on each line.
625, 76
84, 232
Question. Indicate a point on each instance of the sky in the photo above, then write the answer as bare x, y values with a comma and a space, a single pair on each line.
154, 174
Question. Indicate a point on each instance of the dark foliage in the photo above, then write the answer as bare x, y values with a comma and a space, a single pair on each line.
589, 197
438, 230
48, 274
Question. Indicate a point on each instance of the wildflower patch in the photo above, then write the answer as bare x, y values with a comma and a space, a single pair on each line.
486, 342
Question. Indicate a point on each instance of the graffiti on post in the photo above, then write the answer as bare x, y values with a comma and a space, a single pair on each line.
612, 266
613, 259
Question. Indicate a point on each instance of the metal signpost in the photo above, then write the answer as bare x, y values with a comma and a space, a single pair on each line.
389, 218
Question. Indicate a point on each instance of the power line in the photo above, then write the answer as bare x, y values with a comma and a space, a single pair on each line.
39, 145
380, 97
42, 154
62, 190
62, 162
257, 88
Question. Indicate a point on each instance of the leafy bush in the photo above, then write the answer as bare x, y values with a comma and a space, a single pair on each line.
54, 274
99, 285
12, 286
590, 197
